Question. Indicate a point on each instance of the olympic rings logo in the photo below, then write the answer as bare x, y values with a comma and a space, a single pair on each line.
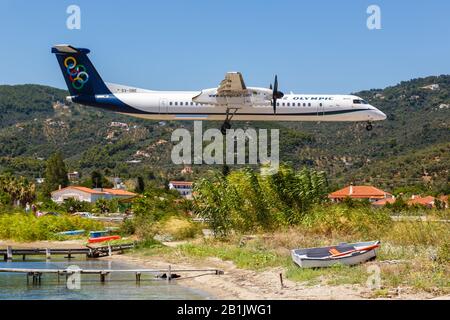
77, 73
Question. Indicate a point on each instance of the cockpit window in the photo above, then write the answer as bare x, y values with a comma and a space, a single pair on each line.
364, 102
358, 101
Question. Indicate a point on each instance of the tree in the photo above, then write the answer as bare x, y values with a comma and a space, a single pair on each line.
14, 189
97, 179
140, 185
55, 174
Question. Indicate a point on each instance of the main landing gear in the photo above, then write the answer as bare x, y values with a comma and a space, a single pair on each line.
227, 123
369, 126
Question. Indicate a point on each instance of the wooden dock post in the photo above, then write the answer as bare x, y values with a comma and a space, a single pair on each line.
169, 273
109, 250
281, 281
48, 254
138, 277
9, 255
103, 275
69, 254
23, 257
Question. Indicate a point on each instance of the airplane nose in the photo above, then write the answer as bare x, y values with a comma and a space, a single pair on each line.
378, 115
381, 115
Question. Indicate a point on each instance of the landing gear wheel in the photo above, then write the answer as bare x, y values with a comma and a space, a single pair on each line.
226, 125
369, 127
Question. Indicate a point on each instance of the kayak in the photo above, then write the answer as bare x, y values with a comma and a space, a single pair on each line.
344, 253
72, 232
103, 239
97, 234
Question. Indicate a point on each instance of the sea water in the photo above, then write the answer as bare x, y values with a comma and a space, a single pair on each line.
118, 286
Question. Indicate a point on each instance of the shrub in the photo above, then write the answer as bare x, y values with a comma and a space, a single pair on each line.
26, 227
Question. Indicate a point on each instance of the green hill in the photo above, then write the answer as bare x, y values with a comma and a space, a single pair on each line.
410, 148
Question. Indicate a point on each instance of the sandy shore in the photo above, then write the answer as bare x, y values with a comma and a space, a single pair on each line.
239, 284
235, 283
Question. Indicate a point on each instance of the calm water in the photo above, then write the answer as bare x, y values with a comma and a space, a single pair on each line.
117, 286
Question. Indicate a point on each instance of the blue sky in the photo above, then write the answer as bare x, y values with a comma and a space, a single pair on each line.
314, 47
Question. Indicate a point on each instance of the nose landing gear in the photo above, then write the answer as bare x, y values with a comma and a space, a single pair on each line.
227, 123
369, 126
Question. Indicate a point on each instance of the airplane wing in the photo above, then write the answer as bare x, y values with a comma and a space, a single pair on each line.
232, 85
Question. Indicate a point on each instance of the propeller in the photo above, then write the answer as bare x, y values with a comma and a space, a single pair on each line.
276, 94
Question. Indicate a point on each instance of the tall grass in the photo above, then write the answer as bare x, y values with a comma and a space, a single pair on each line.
26, 227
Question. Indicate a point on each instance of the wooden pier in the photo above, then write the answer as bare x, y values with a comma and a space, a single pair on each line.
168, 274
90, 252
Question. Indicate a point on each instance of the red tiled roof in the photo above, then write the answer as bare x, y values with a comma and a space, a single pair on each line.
429, 200
181, 183
83, 189
360, 192
383, 202
119, 192
116, 192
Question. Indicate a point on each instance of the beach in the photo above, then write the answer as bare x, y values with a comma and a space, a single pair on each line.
237, 283
240, 284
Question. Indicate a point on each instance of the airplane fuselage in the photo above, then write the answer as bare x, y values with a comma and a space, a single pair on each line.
184, 105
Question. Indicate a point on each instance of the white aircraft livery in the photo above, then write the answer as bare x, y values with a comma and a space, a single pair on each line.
231, 100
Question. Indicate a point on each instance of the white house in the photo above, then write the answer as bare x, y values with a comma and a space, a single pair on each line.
183, 187
89, 195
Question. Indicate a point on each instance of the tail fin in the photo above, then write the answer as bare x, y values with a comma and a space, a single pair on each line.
78, 71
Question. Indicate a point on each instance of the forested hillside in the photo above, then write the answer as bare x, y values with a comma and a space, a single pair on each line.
411, 148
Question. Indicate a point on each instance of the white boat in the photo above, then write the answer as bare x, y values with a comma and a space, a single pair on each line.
344, 253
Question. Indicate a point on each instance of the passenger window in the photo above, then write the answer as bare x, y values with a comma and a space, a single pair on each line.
176, 103
278, 104
320, 104
283, 104
170, 103
304, 104
192, 103
288, 104
309, 104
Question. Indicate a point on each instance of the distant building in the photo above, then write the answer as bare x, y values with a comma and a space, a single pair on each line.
118, 124
186, 170
359, 192
89, 195
427, 201
183, 187
40, 180
72, 176
432, 87
383, 202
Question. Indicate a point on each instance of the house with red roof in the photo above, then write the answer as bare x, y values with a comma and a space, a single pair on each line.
359, 192
90, 195
427, 201
183, 187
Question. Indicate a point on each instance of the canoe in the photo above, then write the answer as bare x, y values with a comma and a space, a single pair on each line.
344, 253
97, 234
72, 232
103, 239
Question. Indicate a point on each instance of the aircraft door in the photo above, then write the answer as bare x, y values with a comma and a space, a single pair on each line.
163, 105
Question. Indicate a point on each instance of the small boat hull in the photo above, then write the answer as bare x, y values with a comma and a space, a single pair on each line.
72, 233
103, 239
320, 258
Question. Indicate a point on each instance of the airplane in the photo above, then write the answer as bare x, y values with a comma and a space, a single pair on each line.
232, 99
